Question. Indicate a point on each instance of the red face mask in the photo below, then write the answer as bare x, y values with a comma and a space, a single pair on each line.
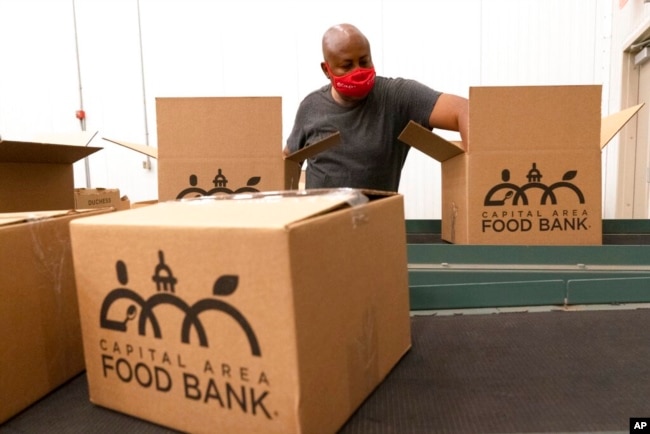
356, 84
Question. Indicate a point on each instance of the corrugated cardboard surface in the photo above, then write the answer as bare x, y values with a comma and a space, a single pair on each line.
241, 136
613, 123
513, 118
212, 127
432, 145
39, 175
534, 166
277, 316
223, 145
191, 177
542, 200
531, 173
294, 175
28, 186
41, 345
43, 153
86, 198
454, 187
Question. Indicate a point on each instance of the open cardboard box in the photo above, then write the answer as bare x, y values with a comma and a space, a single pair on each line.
214, 315
38, 174
223, 145
41, 345
532, 170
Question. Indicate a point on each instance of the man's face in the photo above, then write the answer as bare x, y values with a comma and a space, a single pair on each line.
347, 54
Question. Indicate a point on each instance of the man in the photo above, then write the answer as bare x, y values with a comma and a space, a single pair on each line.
370, 112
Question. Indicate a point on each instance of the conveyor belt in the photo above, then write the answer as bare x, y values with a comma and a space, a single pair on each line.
537, 372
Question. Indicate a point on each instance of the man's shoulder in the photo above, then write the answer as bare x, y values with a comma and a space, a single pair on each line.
315, 100
321, 92
392, 81
403, 88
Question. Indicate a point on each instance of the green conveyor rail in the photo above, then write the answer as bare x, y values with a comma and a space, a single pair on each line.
615, 226
446, 276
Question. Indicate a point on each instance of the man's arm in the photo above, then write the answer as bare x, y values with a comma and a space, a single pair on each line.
451, 112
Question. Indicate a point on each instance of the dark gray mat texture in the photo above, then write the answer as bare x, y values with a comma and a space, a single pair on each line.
525, 372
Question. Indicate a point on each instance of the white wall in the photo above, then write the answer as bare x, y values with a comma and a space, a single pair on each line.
264, 47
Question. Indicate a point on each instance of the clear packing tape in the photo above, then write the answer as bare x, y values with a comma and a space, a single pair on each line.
353, 197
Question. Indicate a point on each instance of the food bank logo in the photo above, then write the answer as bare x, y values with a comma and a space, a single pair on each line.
165, 283
505, 191
215, 382
220, 186
566, 217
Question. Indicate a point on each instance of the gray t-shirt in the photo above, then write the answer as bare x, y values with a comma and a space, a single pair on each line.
370, 155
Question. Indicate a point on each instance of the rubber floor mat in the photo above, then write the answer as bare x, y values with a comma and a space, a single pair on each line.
543, 372
538, 372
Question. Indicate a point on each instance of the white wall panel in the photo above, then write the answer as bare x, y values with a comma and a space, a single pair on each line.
539, 42
111, 74
38, 77
435, 43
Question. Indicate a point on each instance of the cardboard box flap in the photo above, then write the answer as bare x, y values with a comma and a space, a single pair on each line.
279, 209
10, 218
518, 118
612, 124
293, 162
256, 210
76, 138
315, 148
430, 143
143, 149
211, 127
27, 152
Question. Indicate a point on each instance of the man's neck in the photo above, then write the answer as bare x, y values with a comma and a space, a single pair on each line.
342, 101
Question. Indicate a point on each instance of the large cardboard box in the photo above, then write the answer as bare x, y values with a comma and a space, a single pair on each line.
38, 174
268, 312
223, 145
532, 170
41, 345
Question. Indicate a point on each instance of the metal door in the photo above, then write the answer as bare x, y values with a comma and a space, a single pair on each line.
634, 168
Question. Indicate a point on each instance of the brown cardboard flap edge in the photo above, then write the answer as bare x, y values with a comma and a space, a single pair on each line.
64, 148
612, 124
430, 143
27, 152
293, 161
11, 218
143, 149
310, 150
76, 138
441, 150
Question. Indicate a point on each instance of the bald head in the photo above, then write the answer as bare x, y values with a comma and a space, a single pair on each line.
346, 50
341, 39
